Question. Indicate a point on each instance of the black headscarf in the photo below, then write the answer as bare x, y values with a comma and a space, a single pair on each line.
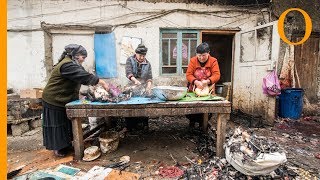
72, 50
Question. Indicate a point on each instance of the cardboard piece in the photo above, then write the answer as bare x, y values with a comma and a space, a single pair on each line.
34, 93
41, 174
117, 175
97, 172
67, 170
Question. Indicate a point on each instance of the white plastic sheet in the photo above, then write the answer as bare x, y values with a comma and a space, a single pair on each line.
264, 164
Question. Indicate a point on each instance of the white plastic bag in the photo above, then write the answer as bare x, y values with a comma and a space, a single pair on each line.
264, 164
249, 162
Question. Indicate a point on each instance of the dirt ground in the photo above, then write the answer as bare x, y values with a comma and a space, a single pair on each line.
168, 141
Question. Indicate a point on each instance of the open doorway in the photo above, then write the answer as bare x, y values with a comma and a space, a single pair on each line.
221, 46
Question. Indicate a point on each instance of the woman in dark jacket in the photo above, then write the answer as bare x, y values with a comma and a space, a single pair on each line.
138, 68
62, 87
138, 71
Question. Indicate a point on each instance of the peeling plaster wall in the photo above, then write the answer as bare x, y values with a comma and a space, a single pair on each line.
150, 37
25, 64
60, 40
26, 16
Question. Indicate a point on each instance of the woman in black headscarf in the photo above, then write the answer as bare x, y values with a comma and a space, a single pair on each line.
62, 87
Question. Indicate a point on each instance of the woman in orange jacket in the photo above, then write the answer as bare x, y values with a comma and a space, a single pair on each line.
203, 70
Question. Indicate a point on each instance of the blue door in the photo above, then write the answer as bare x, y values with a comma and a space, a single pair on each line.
105, 55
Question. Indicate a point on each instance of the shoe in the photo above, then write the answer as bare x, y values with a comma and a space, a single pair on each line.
58, 153
62, 152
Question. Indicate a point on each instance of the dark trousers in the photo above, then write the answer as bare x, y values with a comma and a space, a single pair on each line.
196, 118
137, 123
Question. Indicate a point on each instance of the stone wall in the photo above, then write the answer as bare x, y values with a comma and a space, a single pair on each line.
23, 114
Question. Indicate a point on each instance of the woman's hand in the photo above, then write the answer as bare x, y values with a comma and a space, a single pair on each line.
104, 84
148, 88
136, 82
206, 82
199, 84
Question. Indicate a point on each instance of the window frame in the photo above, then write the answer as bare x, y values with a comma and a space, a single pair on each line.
179, 38
256, 43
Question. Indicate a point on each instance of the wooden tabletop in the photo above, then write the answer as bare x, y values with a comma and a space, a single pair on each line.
152, 109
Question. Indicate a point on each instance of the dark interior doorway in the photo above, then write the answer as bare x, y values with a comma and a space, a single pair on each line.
221, 48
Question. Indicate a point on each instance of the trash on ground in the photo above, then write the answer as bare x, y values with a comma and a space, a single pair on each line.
67, 170
91, 153
253, 155
109, 141
121, 175
170, 172
96, 172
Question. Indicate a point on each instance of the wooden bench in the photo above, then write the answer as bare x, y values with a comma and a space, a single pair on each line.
76, 112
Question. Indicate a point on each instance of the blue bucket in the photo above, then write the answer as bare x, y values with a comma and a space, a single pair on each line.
291, 103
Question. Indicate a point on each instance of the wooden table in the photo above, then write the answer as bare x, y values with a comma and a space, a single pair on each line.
76, 112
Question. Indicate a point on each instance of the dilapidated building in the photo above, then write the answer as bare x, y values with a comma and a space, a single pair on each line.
242, 34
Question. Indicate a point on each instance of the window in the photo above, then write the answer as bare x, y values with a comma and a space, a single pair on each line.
256, 45
177, 47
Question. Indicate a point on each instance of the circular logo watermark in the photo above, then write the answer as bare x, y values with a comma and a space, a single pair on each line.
308, 28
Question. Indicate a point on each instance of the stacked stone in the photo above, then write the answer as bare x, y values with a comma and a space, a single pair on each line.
23, 114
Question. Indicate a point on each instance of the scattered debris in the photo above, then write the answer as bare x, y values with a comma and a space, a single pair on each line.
253, 155
120, 175
96, 172
124, 160
14, 172
109, 141
203, 165
91, 153
170, 172
67, 170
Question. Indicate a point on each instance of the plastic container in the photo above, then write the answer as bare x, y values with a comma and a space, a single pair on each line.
291, 103
109, 141
219, 88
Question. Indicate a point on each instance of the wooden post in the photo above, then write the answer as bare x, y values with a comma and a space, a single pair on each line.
205, 122
221, 133
77, 138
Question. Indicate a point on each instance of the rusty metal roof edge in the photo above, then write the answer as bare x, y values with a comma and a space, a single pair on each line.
47, 26
201, 28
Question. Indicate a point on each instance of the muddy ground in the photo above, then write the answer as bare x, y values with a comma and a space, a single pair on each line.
170, 141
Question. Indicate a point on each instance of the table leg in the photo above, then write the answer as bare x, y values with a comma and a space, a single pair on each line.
77, 138
221, 133
205, 122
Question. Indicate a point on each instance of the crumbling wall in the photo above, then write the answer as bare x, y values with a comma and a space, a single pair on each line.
311, 7
133, 18
23, 114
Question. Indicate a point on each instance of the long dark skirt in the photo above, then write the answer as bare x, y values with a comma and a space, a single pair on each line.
57, 128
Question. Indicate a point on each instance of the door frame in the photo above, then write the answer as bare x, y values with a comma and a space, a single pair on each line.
231, 32
275, 48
